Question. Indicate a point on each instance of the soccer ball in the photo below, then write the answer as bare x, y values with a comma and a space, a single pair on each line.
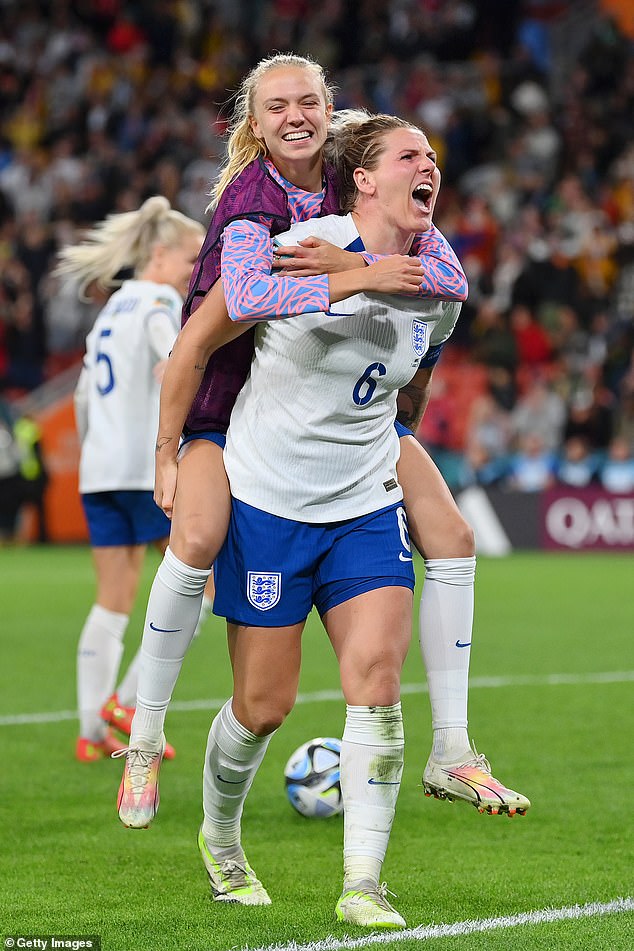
312, 778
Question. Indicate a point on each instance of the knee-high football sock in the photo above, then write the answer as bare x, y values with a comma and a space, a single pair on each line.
232, 758
98, 658
371, 767
446, 627
172, 612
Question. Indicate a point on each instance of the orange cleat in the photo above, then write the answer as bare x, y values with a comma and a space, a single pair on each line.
87, 751
120, 717
116, 715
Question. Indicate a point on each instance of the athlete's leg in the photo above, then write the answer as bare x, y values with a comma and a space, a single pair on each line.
454, 769
266, 664
199, 525
124, 699
370, 634
117, 570
125, 693
447, 544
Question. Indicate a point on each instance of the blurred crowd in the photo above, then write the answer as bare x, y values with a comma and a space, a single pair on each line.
528, 103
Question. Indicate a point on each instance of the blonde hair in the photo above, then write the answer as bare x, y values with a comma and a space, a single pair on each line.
125, 240
242, 145
356, 140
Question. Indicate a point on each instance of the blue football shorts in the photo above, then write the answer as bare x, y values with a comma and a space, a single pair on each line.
402, 430
219, 438
126, 517
271, 570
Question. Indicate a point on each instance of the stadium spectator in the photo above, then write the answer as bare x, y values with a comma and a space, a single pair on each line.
539, 411
534, 347
577, 465
116, 400
478, 466
33, 473
489, 426
10, 479
532, 467
492, 341
590, 413
617, 471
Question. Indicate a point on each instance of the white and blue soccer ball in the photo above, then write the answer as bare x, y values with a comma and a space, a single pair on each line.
313, 778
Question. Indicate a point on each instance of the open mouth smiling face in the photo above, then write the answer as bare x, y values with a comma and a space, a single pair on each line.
300, 136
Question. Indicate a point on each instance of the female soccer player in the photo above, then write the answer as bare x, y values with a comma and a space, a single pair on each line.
317, 519
275, 175
116, 405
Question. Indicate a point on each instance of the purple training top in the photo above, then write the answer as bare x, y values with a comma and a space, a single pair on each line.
254, 195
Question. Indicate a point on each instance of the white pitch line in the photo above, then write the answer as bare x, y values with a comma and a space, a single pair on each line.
318, 696
459, 928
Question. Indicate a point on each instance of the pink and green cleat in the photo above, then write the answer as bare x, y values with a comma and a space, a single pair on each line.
138, 799
470, 780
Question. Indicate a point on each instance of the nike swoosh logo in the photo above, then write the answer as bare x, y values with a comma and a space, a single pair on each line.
232, 782
381, 782
332, 313
460, 644
403, 557
165, 630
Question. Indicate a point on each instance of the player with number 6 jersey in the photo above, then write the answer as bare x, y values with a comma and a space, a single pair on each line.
321, 397
317, 519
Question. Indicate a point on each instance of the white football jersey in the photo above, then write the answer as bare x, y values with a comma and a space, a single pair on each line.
312, 434
120, 389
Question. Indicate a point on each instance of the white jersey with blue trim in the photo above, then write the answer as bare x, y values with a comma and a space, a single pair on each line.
312, 434
134, 331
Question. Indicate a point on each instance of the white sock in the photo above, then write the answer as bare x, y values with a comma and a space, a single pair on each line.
172, 612
206, 608
126, 691
446, 626
98, 658
232, 758
371, 767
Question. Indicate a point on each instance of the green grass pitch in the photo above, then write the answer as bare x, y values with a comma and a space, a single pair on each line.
546, 627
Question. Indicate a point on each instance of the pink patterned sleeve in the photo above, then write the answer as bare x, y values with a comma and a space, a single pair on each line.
251, 292
444, 278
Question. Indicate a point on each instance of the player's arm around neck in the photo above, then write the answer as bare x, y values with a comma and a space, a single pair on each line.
394, 274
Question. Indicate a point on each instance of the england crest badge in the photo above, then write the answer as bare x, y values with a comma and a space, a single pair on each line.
264, 589
419, 337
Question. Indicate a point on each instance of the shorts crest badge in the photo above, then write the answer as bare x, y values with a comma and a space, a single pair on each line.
264, 589
419, 337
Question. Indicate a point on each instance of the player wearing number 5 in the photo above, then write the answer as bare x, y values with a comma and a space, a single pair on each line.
116, 407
